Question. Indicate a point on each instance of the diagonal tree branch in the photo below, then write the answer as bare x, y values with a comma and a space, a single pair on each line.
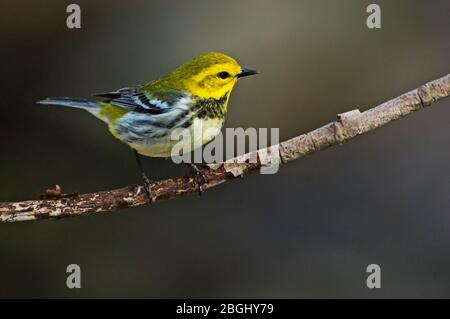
347, 126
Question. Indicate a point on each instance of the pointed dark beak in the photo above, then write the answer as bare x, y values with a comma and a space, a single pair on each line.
246, 72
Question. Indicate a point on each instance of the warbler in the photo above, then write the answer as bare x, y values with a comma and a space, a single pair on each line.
195, 95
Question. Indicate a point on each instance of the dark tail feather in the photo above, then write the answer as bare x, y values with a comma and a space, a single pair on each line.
71, 102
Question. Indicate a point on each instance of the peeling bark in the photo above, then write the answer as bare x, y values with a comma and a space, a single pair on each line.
347, 126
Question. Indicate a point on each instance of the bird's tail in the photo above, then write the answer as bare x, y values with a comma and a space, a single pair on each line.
85, 104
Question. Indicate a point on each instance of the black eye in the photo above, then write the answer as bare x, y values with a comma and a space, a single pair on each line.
223, 75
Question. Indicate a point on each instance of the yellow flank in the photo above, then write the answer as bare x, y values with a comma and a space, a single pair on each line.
110, 113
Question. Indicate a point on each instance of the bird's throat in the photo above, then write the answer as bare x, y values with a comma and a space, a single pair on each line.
211, 108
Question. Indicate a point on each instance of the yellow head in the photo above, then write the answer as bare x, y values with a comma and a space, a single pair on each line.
210, 75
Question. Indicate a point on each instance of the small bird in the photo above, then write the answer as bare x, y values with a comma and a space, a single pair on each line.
195, 95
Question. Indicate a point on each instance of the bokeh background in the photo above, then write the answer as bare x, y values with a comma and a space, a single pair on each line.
308, 231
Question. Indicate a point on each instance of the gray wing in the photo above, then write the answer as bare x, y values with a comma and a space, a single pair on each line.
132, 99
150, 118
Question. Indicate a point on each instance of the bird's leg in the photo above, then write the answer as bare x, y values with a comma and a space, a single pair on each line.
199, 177
145, 180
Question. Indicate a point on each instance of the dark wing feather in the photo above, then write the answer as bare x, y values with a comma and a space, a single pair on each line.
108, 96
132, 99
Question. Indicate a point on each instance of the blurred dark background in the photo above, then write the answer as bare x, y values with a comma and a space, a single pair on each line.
308, 231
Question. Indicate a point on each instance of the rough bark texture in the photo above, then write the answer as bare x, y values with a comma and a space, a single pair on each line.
347, 126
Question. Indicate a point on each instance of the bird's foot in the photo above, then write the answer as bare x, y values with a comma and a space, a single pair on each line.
199, 177
147, 186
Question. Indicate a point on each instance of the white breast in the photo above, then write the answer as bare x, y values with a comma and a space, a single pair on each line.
205, 130
199, 133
